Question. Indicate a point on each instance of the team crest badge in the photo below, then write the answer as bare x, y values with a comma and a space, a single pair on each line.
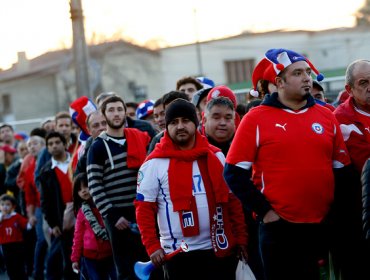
140, 177
317, 128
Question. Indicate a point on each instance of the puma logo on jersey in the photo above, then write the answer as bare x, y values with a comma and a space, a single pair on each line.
281, 126
367, 129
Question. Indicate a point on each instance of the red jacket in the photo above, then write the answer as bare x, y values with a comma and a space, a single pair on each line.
22, 177
85, 242
32, 194
356, 133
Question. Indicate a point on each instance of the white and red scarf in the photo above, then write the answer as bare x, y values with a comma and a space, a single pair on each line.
180, 181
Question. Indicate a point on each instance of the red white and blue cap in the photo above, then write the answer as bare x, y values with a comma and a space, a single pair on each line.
206, 82
145, 109
21, 136
275, 61
79, 110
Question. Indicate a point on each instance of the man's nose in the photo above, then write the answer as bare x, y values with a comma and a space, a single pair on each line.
180, 124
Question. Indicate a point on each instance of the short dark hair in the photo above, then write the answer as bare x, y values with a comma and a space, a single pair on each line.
253, 103
317, 85
188, 80
158, 102
132, 105
111, 99
38, 131
53, 134
7, 197
222, 101
80, 179
172, 95
241, 109
6, 125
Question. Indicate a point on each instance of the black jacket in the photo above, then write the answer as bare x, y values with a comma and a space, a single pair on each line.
51, 197
365, 178
141, 125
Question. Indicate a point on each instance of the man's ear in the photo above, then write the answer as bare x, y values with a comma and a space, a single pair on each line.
349, 89
278, 81
204, 119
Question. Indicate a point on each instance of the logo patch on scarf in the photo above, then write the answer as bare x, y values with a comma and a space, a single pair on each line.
187, 219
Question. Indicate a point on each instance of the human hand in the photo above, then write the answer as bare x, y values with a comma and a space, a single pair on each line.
122, 224
242, 253
270, 217
32, 220
56, 231
76, 267
158, 257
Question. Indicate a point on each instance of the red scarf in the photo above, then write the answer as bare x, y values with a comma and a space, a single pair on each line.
180, 177
137, 142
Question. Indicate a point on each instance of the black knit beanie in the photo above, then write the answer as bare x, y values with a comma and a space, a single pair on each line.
181, 108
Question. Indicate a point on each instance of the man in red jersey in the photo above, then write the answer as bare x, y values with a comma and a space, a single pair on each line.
291, 145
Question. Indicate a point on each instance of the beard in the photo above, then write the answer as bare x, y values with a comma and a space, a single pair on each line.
183, 139
111, 124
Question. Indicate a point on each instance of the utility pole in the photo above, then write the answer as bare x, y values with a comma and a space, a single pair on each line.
197, 45
80, 52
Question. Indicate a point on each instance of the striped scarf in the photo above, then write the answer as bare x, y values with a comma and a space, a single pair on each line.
99, 231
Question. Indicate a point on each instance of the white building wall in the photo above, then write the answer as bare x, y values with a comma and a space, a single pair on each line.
331, 49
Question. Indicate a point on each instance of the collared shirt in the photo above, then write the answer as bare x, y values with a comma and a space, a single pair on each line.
62, 165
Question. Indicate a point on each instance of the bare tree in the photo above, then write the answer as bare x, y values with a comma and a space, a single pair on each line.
363, 15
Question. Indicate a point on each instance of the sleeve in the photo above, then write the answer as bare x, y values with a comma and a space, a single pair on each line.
244, 146
148, 181
239, 227
146, 206
78, 237
154, 141
42, 159
48, 200
355, 140
30, 194
82, 161
341, 156
240, 183
22, 221
238, 167
146, 220
95, 172
21, 178
2, 178
11, 177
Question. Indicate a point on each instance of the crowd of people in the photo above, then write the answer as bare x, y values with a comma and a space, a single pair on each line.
281, 182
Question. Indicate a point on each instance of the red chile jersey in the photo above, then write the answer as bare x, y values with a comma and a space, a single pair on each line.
292, 154
11, 228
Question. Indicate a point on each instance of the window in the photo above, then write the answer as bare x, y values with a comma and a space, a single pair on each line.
5, 104
238, 71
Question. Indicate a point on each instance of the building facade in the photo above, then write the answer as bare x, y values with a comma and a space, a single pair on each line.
35, 89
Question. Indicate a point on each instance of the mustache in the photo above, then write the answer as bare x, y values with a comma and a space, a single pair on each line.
179, 131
